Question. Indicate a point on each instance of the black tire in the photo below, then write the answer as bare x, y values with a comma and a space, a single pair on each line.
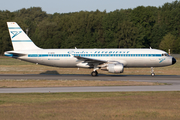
152, 74
94, 73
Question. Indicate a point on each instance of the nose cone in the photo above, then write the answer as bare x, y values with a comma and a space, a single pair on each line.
173, 61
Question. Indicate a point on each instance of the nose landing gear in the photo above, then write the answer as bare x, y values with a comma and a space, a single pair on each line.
152, 72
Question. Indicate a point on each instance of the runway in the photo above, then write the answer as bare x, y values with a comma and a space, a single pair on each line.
173, 83
85, 77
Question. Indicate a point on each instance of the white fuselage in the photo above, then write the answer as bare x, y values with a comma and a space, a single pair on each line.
128, 57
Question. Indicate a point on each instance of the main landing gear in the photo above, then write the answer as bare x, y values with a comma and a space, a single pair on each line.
152, 72
94, 73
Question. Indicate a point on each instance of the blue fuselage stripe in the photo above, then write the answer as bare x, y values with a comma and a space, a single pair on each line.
21, 41
14, 27
95, 55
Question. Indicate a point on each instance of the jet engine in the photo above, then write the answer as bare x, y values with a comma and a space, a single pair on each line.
114, 68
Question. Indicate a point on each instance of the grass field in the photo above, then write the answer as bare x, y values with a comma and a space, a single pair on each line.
91, 106
67, 83
14, 66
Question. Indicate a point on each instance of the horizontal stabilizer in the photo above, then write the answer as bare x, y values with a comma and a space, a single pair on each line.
14, 54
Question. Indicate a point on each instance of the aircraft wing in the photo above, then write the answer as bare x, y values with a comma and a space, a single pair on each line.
90, 60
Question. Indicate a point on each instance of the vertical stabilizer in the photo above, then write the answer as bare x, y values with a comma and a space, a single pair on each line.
20, 40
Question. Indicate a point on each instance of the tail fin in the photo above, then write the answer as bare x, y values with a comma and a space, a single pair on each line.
20, 40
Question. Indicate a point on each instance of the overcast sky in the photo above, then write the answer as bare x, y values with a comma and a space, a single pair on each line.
66, 6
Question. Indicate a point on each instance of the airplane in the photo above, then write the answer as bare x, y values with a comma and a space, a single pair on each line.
111, 60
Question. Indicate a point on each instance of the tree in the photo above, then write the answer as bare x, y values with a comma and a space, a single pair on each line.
158, 32
144, 19
168, 42
131, 28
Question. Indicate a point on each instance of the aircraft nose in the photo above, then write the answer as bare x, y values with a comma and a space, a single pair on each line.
173, 61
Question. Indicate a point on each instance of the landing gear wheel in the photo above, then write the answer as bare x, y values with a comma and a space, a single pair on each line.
94, 73
152, 74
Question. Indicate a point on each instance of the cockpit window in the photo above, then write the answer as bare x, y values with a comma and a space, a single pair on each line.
165, 54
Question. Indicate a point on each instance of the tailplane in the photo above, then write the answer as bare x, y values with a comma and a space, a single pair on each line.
20, 40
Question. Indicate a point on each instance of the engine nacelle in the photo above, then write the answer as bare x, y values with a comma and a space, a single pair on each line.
114, 68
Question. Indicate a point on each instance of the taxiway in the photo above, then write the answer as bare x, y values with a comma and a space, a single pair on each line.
173, 83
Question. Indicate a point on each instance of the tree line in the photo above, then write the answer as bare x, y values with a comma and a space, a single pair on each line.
141, 27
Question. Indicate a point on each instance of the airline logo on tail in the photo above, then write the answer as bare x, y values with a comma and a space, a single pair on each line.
15, 33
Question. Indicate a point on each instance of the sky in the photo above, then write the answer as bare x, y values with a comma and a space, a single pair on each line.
66, 6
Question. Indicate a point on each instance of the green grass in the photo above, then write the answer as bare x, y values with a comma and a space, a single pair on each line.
91, 106
11, 61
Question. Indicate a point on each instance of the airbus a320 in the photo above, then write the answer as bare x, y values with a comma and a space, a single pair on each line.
111, 60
